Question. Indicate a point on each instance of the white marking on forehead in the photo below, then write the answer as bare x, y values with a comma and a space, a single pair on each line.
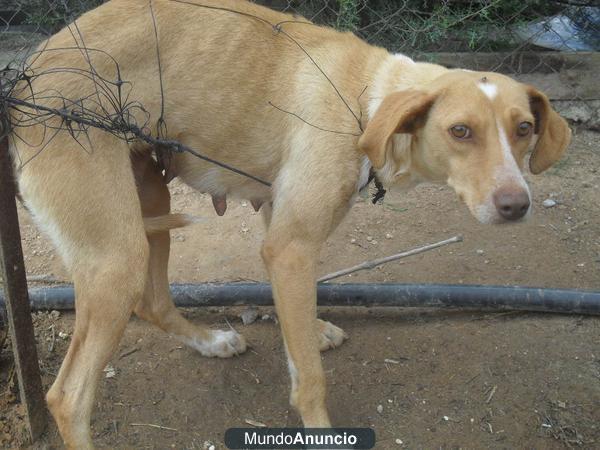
489, 89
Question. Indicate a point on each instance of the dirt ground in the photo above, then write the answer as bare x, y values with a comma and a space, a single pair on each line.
460, 379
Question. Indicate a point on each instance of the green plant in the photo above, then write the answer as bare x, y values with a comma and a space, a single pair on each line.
348, 17
51, 15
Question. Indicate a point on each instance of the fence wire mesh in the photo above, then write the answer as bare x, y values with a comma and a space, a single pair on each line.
417, 26
409, 26
519, 37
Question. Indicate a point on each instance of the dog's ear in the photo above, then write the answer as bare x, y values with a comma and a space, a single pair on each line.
400, 112
554, 135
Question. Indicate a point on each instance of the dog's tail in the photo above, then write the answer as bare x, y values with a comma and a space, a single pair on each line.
158, 224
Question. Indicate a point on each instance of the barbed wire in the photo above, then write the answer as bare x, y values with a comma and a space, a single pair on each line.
108, 108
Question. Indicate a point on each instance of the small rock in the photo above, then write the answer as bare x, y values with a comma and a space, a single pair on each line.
549, 203
369, 238
380, 409
399, 441
388, 236
353, 241
63, 335
109, 372
249, 315
244, 204
265, 317
374, 242
479, 252
562, 405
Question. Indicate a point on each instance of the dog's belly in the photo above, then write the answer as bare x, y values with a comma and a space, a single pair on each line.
215, 183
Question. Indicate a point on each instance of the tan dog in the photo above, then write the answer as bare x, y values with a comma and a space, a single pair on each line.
226, 78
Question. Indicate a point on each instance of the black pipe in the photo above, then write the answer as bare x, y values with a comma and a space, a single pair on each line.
365, 294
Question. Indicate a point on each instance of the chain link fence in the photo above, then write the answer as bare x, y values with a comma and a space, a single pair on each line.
408, 26
413, 27
552, 42
418, 26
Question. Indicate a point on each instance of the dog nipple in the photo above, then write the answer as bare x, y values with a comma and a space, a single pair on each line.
256, 204
220, 204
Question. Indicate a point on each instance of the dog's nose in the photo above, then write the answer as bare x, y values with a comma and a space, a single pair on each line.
512, 204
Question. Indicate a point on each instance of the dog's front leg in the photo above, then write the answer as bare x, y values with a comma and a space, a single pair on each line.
292, 270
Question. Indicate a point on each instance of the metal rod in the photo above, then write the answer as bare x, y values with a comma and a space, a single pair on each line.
499, 298
17, 300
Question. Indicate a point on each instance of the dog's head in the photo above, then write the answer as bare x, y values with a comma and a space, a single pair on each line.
471, 130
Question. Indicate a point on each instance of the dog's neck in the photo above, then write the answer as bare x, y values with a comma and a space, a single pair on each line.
397, 73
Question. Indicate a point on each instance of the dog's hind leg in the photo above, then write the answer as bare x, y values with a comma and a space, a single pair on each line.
104, 301
156, 305
87, 203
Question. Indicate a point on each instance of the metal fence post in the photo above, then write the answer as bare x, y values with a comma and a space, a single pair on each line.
17, 298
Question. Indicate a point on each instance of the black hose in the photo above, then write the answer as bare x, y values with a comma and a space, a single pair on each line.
365, 294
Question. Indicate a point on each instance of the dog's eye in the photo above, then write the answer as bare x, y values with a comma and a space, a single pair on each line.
460, 131
524, 129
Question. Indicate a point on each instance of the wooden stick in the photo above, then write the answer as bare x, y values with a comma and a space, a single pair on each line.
151, 425
377, 262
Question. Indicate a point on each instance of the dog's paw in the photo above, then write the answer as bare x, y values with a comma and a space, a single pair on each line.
330, 336
222, 344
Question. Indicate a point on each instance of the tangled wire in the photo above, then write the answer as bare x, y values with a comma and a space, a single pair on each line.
109, 107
